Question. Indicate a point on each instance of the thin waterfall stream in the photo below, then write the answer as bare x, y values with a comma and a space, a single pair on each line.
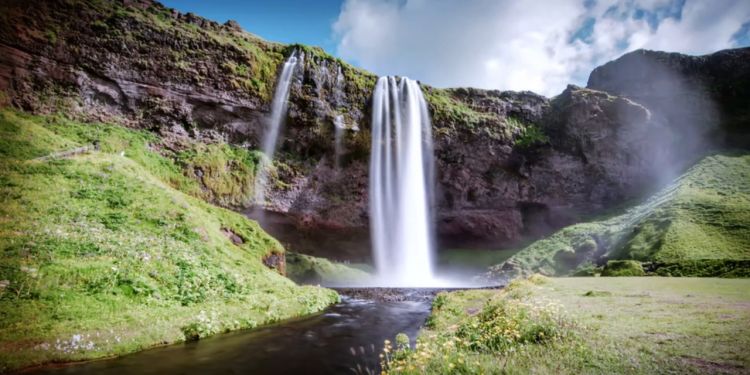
276, 122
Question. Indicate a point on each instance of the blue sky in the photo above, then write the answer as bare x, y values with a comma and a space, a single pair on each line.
494, 44
287, 21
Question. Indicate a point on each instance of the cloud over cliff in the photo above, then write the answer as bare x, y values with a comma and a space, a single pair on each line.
527, 45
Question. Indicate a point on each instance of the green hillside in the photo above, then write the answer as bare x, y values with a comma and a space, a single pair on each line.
103, 253
697, 226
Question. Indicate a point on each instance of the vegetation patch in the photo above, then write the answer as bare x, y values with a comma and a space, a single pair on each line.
449, 111
226, 173
623, 268
467, 328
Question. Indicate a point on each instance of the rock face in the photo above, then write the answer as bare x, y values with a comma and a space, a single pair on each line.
597, 154
510, 166
704, 97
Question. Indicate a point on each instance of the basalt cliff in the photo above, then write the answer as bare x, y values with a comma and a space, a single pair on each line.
511, 166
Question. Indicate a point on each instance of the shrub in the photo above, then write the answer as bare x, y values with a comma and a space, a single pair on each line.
703, 268
203, 326
508, 323
623, 268
402, 341
530, 136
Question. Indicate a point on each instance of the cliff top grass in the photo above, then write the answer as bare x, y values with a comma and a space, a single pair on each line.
585, 326
699, 225
104, 254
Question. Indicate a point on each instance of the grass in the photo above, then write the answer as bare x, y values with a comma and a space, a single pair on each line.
585, 326
226, 173
446, 109
697, 226
104, 253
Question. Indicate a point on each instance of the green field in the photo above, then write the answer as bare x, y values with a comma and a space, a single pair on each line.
590, 325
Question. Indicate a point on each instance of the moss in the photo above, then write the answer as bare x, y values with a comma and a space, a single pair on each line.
51, 36
450, 111
96, 244
623, 268
226, 173
531, 135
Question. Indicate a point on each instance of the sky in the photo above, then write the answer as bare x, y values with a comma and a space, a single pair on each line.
493, 44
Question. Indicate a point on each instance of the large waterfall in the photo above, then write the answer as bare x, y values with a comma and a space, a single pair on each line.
275, 123
401, 183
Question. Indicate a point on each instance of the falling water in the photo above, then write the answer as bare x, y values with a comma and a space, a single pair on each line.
338, 128
400, 184
275, 123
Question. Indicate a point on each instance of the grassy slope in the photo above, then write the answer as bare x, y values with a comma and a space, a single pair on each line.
699, 225
597, 325
103, 255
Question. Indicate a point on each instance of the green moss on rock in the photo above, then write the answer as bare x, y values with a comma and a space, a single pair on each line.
226, 173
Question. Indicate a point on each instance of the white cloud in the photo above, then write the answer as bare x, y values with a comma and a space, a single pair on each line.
523, 45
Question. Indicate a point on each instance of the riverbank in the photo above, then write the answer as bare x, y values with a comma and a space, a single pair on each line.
586, 325
344, 339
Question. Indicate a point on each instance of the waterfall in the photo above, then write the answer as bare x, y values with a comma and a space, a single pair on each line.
401, 184
338, 129
275, 123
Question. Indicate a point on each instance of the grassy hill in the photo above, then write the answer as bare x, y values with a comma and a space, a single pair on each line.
104, 253
697, 226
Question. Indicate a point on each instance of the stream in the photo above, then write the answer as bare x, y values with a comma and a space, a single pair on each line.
336, 341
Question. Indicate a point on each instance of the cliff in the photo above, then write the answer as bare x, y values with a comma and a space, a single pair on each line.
511, 166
